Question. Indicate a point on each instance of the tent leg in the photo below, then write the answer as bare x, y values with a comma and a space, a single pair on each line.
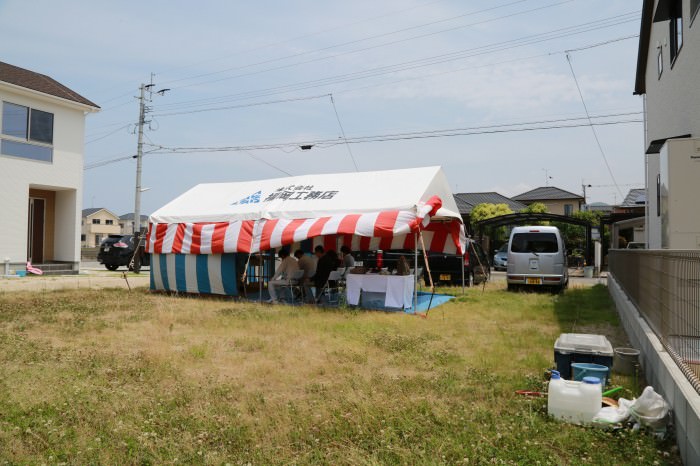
260, 277
462, 267
415, 272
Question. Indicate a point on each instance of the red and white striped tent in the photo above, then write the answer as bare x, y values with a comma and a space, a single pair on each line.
365, 211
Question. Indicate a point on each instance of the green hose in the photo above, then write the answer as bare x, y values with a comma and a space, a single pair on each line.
611, 391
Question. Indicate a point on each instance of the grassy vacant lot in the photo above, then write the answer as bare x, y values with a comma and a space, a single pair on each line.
118, 377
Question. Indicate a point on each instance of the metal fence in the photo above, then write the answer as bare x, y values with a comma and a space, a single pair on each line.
665, 287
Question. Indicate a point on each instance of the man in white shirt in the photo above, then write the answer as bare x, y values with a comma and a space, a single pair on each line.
308, 265
282, 275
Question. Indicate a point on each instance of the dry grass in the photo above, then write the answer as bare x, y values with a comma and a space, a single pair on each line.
115, 377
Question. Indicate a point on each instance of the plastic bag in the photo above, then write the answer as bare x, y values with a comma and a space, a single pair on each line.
614, 414
650, 409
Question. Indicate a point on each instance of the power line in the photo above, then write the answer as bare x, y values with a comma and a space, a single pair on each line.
304, 36
342, 131
267, 163
254, 104
595, 134
324, 143
427, 61
108, 134
313, 51
364, 39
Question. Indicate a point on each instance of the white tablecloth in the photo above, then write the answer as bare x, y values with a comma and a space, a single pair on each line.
397, 288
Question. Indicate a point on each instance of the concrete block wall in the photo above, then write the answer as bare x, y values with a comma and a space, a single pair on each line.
663, 374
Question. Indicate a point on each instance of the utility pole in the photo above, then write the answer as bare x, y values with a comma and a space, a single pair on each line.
143, 110
139, 156
584, 186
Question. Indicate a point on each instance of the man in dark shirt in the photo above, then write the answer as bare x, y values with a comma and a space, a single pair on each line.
326, 264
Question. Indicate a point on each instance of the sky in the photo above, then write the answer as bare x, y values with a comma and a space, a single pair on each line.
505, 95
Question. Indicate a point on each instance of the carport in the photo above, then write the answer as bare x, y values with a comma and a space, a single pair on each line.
533, 218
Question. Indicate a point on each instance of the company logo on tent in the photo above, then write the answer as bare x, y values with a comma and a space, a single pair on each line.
252, 199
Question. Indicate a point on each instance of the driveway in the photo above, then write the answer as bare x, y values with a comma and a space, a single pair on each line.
576, 278
92, 275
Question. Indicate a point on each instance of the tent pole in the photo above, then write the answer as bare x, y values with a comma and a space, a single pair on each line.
462, 267
415, 272
430, 275
261, 277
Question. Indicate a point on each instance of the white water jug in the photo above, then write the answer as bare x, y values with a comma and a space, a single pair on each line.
574, 402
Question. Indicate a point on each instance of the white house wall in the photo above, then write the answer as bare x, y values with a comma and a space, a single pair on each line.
673, 100
653, 226
64, 176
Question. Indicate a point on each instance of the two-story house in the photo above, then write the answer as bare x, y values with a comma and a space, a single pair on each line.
668, 69
558, 201
97, 224
126, 222
42, 134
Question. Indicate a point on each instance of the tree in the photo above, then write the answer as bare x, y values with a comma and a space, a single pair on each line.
485, 211
535, 208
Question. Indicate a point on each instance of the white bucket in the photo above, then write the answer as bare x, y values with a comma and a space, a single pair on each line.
588, 271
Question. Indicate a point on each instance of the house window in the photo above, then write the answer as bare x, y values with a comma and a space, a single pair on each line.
82, 238
568, 209
98, 239
95, 221
109, 222
676, 28
660, 62
29, 132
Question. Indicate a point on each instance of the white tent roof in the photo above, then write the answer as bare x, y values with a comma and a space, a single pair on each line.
311, 196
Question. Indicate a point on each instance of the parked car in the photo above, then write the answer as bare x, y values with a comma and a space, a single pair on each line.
445, 268
117, 250
500, 258
537, 257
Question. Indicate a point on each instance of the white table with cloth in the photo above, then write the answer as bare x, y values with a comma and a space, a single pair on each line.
398, 289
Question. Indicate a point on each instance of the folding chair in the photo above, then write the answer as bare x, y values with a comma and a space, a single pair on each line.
329, 290
419, 277
295, 284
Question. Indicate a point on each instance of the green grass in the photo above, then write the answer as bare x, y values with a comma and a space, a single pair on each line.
118, 377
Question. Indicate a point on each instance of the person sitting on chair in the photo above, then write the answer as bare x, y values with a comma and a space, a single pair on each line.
326, 264
348, 260
308, 265
282, 275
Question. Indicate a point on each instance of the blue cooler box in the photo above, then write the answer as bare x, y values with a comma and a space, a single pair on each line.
581, 347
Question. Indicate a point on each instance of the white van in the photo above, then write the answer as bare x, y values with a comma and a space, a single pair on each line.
537, 257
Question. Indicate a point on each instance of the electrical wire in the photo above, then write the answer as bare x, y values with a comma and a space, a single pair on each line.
342, 131
324, 143
267, 163
304, 36
108, 134
595, 134
254, 104
427, 61
377, 36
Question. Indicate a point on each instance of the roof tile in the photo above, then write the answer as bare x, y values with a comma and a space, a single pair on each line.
40, 82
